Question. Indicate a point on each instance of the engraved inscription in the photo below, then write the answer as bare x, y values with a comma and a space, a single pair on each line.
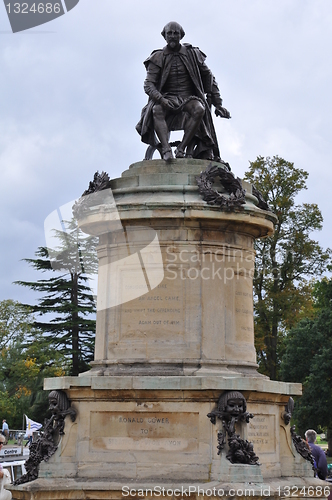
144, 431
244, 311
161, 308
262, 433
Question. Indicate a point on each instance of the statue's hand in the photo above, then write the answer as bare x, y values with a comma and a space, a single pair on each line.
222, 112
166, 104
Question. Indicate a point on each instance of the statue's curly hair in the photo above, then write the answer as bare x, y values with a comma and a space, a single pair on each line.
61, 396
173, 22
223, 399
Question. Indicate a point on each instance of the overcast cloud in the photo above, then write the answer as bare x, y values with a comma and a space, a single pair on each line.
72, 92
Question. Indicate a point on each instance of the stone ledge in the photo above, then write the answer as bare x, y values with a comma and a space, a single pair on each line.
50, 489
252, 384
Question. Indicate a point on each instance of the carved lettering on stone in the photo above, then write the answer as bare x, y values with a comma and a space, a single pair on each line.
144, 431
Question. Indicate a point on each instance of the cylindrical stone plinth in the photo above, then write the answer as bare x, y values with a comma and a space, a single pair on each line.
175, 274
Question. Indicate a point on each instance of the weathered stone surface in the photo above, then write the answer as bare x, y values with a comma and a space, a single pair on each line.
226, 381
193, 308
165, 354
70, 489
162, 433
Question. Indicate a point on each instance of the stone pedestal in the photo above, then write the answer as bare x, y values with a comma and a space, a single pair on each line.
174, 331
175, 275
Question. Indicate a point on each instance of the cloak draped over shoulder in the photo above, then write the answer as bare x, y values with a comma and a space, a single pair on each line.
158, 67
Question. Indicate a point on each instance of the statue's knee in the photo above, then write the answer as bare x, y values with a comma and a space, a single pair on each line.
200, 110
158, 111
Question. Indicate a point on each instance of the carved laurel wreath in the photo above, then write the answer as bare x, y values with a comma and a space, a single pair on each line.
231, 183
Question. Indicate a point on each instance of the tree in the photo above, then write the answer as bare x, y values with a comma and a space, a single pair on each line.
285, 261
307, 360
67, 303
15, 323
24, 364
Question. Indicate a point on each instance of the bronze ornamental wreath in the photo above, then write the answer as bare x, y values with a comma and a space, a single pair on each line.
232, 185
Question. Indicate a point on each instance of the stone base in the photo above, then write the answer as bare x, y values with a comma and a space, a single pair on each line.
237, 473
156, 428
155, 431
71, 489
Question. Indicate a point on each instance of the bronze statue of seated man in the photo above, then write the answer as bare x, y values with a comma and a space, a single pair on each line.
181, 90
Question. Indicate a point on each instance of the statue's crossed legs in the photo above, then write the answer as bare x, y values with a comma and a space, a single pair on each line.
195, 110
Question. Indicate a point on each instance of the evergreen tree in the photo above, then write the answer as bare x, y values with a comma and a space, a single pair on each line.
285, 261
66, 303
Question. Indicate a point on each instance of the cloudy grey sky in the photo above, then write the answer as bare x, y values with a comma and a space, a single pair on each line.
71, 94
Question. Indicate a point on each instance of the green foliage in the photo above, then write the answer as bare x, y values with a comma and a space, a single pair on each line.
25, 361
15, 323
285, 261
322, 294
66, 303
8, 408
308, 360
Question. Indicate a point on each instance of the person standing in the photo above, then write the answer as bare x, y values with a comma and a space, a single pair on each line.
317, 453
5, 430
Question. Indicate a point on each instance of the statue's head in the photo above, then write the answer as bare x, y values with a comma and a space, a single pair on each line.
58, 401
173, 33
232, 403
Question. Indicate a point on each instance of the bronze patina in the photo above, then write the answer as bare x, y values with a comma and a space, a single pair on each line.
181, 90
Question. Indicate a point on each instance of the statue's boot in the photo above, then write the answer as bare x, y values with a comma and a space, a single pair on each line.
167, 154
179, 153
